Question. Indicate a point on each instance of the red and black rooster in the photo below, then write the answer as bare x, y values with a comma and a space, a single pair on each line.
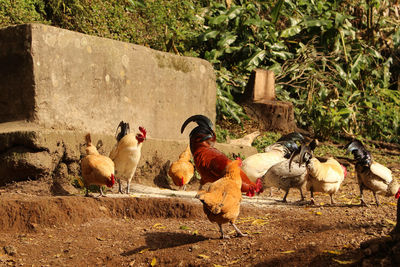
209, 161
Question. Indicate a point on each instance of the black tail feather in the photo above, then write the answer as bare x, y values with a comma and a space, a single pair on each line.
124, 130
294, 136
307, 151
358, 150
201, 120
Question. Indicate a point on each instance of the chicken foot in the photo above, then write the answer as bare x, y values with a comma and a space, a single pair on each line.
223, 236
239, 233
101, 192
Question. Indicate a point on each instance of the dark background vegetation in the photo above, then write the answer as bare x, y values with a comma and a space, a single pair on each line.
336, 61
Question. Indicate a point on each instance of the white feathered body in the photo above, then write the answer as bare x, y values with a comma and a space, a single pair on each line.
126, 155
280, 176
377, 178
326, 176
258, 164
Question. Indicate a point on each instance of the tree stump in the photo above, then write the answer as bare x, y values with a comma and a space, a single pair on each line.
259, 103
272, 115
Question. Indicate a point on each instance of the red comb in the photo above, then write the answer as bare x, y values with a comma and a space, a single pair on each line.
143, 131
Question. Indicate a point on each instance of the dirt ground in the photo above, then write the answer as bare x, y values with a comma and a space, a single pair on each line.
42, 230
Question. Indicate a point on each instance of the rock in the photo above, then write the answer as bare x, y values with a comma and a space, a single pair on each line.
10, 250
61, 171
74, 169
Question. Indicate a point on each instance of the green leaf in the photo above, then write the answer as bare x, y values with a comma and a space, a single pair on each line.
282, 54
218, 20
317, 22
292, 31
276, 11
234, 12
226, 40
209, 35
256, 59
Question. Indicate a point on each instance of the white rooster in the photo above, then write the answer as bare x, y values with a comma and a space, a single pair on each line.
126, 154
323, 177
283, 175
370, 174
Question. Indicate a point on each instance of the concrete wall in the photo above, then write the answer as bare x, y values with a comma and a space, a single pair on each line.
73, 81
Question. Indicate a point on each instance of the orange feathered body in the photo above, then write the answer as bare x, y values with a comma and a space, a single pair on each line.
221, 202
182, 170
97, 170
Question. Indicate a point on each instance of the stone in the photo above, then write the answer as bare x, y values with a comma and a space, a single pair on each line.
62, 79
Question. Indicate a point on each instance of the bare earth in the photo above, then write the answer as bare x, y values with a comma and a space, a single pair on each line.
146, 230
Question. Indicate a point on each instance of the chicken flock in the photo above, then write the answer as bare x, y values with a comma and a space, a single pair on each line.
286, 164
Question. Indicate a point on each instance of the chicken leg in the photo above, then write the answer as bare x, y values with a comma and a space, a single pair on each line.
119, 186
363, 203
312, 202
376, 199
284, 198
87, 192
332, 200
223, 236
301, 194
101, 191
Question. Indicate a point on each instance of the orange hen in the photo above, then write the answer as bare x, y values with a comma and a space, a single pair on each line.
182, 170
221, 202
96, 169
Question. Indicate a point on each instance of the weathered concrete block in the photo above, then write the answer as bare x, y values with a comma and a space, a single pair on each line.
67, 80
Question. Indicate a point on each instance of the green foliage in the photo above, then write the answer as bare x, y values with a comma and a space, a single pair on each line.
264, 140
333, 66
21, 11
161, 24
222, 134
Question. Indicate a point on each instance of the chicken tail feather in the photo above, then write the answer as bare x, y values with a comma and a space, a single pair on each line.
294, 136
307, 151
124, 126
201, 120
359, 152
